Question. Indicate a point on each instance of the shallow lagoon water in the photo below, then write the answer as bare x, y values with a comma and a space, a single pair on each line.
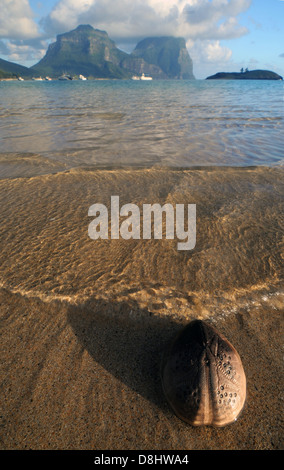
168, 123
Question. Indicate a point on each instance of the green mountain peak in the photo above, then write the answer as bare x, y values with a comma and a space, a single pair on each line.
91, 52
86, 51
168, 53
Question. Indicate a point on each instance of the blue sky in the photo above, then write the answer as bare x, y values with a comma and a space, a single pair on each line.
221, 35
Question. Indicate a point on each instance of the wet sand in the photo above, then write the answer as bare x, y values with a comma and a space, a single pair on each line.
84, 322
88, 378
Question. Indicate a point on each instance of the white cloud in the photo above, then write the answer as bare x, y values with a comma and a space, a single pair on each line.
65, 14
16, 20
216, 53
208, 51
126, 19
214, 20
23, 51
209, 56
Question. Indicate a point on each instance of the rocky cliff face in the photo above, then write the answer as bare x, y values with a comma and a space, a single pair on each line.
91, 52
84, 50
137, 66
167, 57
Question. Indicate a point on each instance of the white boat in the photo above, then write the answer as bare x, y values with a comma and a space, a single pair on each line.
20, 79
48, 79
145, 78
65, 77
81, 77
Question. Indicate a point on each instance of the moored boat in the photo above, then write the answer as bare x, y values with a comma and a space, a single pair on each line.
65, 77
143, 77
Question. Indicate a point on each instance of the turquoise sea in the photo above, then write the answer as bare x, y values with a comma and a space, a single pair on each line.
117, 122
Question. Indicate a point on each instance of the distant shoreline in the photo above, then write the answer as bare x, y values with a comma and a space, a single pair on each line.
53, 79
213, 77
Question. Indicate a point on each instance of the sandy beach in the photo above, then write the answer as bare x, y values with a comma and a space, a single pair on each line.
88, 378
85, 323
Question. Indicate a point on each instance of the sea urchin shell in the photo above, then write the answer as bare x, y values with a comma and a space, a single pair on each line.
203, 377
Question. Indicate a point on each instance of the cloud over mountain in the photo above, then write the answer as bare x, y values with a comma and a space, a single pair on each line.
128, 20
203, 24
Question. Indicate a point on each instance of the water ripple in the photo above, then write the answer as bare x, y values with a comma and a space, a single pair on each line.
176, 123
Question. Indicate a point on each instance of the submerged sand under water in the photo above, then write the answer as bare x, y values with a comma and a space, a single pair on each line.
85, 321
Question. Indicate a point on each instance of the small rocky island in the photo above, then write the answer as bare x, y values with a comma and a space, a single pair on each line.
246, 75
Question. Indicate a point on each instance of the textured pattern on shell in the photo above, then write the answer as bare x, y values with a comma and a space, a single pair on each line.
203, 377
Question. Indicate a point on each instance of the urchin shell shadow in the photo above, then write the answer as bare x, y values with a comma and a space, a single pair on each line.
203, 376
126, 341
